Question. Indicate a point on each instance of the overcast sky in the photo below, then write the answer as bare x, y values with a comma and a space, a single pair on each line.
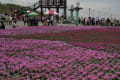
98, 7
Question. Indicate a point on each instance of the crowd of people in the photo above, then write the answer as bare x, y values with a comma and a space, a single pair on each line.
30, 21
99, 21
8, 20
51, 20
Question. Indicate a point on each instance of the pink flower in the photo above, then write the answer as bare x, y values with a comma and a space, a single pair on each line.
105, 68
94, 77
118, 73
114, 77
84, 73
106, 78
100, 74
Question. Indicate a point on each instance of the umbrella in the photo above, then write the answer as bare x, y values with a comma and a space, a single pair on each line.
51, 12
33, 14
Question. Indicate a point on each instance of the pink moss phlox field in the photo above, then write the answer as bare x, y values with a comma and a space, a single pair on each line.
110, 47
26, 59
46, 29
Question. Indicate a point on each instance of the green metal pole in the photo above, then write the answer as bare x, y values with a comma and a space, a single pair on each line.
77, 17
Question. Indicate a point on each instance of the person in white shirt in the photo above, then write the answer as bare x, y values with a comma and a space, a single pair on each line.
10, 20
52, 20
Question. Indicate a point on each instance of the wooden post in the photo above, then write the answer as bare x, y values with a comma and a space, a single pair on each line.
65, 9
41, 10
57, 12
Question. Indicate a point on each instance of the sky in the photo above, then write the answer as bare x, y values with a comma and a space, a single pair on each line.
98, 7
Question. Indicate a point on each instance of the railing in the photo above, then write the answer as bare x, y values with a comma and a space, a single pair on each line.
45, 4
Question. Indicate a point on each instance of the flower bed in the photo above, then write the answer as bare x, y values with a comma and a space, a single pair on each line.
26, 59
104, 39
106, 47
42, 29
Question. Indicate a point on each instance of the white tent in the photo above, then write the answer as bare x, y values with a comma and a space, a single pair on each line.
51, 12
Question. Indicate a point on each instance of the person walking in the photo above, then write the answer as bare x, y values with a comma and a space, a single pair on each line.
2, 26
35, 21
89, 21
52, 20
6, 19
112, 22
10, 20
43, 19
79, 20
108, 22
103, 21
14, 20
48, 20
84, 21
25, 20
97, 21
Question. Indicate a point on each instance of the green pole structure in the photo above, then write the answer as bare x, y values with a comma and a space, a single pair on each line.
77, 12
71, 10
77, 17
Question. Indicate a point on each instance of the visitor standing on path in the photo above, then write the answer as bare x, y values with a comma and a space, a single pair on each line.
2, 26
10, 20
6, 19
25, 20
52, 20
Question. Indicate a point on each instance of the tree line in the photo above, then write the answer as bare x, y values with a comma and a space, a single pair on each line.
8, 8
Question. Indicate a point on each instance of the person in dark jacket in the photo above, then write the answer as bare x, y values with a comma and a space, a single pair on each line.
2, 26
108, 22
35, 20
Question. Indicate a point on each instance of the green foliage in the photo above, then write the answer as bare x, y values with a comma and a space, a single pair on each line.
8, 8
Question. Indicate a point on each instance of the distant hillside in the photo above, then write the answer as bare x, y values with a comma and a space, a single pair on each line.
8, 8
